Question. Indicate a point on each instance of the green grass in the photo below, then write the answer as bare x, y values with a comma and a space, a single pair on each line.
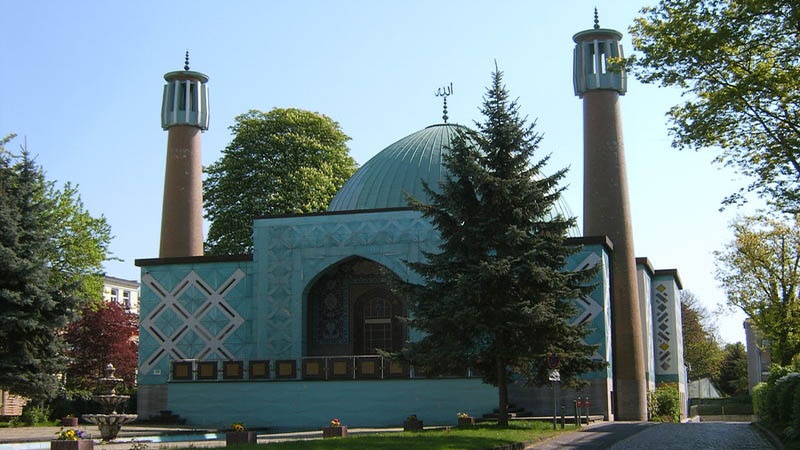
482, 436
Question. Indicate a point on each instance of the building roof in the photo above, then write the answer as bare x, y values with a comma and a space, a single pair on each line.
399, 170
384, 180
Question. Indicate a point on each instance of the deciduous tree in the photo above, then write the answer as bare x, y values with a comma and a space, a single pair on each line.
759, 272
701, 348
283, 161
738, 65
103, 335
495, 296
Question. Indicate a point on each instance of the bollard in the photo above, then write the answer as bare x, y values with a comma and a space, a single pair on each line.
562, 413
586, 403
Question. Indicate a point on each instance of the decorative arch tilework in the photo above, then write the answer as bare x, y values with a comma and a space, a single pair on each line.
290, 253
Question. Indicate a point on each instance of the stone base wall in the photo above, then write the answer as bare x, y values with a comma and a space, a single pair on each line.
292, 405
151, 400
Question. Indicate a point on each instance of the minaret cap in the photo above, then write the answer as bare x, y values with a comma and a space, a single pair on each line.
591, 70
185, 99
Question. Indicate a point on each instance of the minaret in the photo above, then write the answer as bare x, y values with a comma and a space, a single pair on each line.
184, 114
606, 209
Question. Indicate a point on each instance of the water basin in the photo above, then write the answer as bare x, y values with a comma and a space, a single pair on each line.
187, 437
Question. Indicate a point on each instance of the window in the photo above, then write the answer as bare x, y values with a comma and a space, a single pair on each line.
598, 52
114, 295
377, 325
193, 97
182, 96
126, 300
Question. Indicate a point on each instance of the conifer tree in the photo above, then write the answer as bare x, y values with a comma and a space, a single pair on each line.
32, 309
496, 297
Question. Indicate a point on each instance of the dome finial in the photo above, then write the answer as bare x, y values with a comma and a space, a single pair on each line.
596, 19
186, 63
444, 92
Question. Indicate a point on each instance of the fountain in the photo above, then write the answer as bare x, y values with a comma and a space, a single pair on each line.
110, 422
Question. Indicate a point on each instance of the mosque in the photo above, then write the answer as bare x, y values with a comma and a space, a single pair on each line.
285, 337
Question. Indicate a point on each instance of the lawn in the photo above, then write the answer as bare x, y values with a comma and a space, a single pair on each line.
482, 436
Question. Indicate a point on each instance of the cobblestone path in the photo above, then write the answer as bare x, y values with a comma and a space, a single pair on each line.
696, 436
666, 436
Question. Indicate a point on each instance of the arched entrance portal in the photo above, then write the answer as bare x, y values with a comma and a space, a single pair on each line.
353, 310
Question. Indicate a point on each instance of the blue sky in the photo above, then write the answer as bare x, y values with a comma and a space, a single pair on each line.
82, 83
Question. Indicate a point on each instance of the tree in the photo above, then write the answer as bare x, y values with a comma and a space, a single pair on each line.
30, 348
733, 372
495, 297
701, 348
103, 335
49, 246
759, 272
81, 244
738, 64
284, 161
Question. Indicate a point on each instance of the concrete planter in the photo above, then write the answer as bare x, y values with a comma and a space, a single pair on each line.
466, 422
240, 438
329, 432
412, 425
69, 422
80, 444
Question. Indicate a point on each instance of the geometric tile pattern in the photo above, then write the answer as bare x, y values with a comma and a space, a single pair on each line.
663, 336
190, 321
590, 310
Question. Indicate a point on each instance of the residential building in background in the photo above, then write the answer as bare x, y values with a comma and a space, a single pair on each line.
758, 355
124, 292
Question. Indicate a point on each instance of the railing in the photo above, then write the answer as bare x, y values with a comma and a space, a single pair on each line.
312, 368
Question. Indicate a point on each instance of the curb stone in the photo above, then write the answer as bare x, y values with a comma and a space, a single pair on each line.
769, 435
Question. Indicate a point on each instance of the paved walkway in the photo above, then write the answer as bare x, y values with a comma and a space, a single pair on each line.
665, 436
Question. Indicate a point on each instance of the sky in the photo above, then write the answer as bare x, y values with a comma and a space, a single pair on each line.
82, 83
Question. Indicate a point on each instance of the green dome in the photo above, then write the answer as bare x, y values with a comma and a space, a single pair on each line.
384, 180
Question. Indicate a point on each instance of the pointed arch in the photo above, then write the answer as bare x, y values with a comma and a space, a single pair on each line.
352, 306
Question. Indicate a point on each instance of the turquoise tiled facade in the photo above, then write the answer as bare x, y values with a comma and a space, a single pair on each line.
257, 310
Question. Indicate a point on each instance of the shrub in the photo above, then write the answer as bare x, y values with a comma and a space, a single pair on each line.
31, 415
760, 399
665, 403
779, 404
785, 388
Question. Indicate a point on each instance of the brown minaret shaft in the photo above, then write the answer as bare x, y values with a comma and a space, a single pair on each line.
184, 113
606, 209
182, 210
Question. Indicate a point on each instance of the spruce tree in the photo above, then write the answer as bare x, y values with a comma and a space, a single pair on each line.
496, 297
32, 309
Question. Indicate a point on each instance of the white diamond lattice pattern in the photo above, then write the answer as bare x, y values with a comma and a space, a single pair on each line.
194, 333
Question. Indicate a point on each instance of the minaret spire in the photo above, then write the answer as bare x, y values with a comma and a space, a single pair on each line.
596, 21
186, 61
